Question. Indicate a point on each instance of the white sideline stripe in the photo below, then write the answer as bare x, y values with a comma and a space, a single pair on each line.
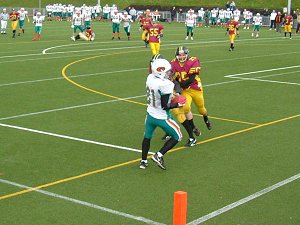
261, 71
72, 138
91, 205
244, 200
66, 108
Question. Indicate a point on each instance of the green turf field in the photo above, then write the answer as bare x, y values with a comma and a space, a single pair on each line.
72, 120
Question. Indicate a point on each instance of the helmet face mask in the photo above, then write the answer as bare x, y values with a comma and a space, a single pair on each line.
162, 69
182, 54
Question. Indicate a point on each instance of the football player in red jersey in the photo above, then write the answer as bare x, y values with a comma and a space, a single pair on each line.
288, 20
232, 31
186, 71
155, 32
87, 35
14, 17
144, 22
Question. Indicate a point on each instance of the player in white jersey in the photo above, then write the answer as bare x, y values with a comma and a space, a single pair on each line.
87, 17
38, 21
126, 23
214, 13
247, 17
116, 19
49, 9
106, 12
4, 17
257, 20
222, 17
228, 15
236, 15
159, 92
190, 23
200, 17
22, 16
77, 23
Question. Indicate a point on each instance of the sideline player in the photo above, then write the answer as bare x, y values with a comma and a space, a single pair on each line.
232, 31
186, 71
4, 18
288, 21
159, 93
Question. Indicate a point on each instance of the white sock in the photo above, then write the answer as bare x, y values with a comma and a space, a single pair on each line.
159, 154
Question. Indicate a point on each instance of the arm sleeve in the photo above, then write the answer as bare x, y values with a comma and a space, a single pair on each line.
188, 82
164, 102
177, 87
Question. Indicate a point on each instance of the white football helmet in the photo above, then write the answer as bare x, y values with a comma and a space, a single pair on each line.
161, 68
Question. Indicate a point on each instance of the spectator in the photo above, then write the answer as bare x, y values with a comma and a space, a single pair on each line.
298, 21
227, 6
180, 15
132, 13
272, 19
278, 21
232, 6
173, 13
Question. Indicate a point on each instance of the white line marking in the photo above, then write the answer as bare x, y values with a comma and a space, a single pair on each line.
142, 47
244, 200
270, 81
91, 205
261, 71
67, 108
72, 138
129, 70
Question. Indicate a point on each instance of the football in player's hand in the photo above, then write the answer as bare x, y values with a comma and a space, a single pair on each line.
180, 99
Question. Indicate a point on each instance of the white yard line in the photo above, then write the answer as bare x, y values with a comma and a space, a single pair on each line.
67, 108
71, 138
84, 203
261, 71
243, 201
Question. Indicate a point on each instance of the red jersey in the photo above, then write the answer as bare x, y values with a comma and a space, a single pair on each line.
14, 16
145, 22
154, 31
232, 25
89, 33
182, 71
288, 20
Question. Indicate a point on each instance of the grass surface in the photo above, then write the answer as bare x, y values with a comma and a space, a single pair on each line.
253, 145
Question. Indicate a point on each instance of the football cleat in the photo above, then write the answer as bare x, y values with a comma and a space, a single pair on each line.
192, 38
191, 142
196, 132
73, 38
112, 38
143, 165
119, 38
159, 160
208, 124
